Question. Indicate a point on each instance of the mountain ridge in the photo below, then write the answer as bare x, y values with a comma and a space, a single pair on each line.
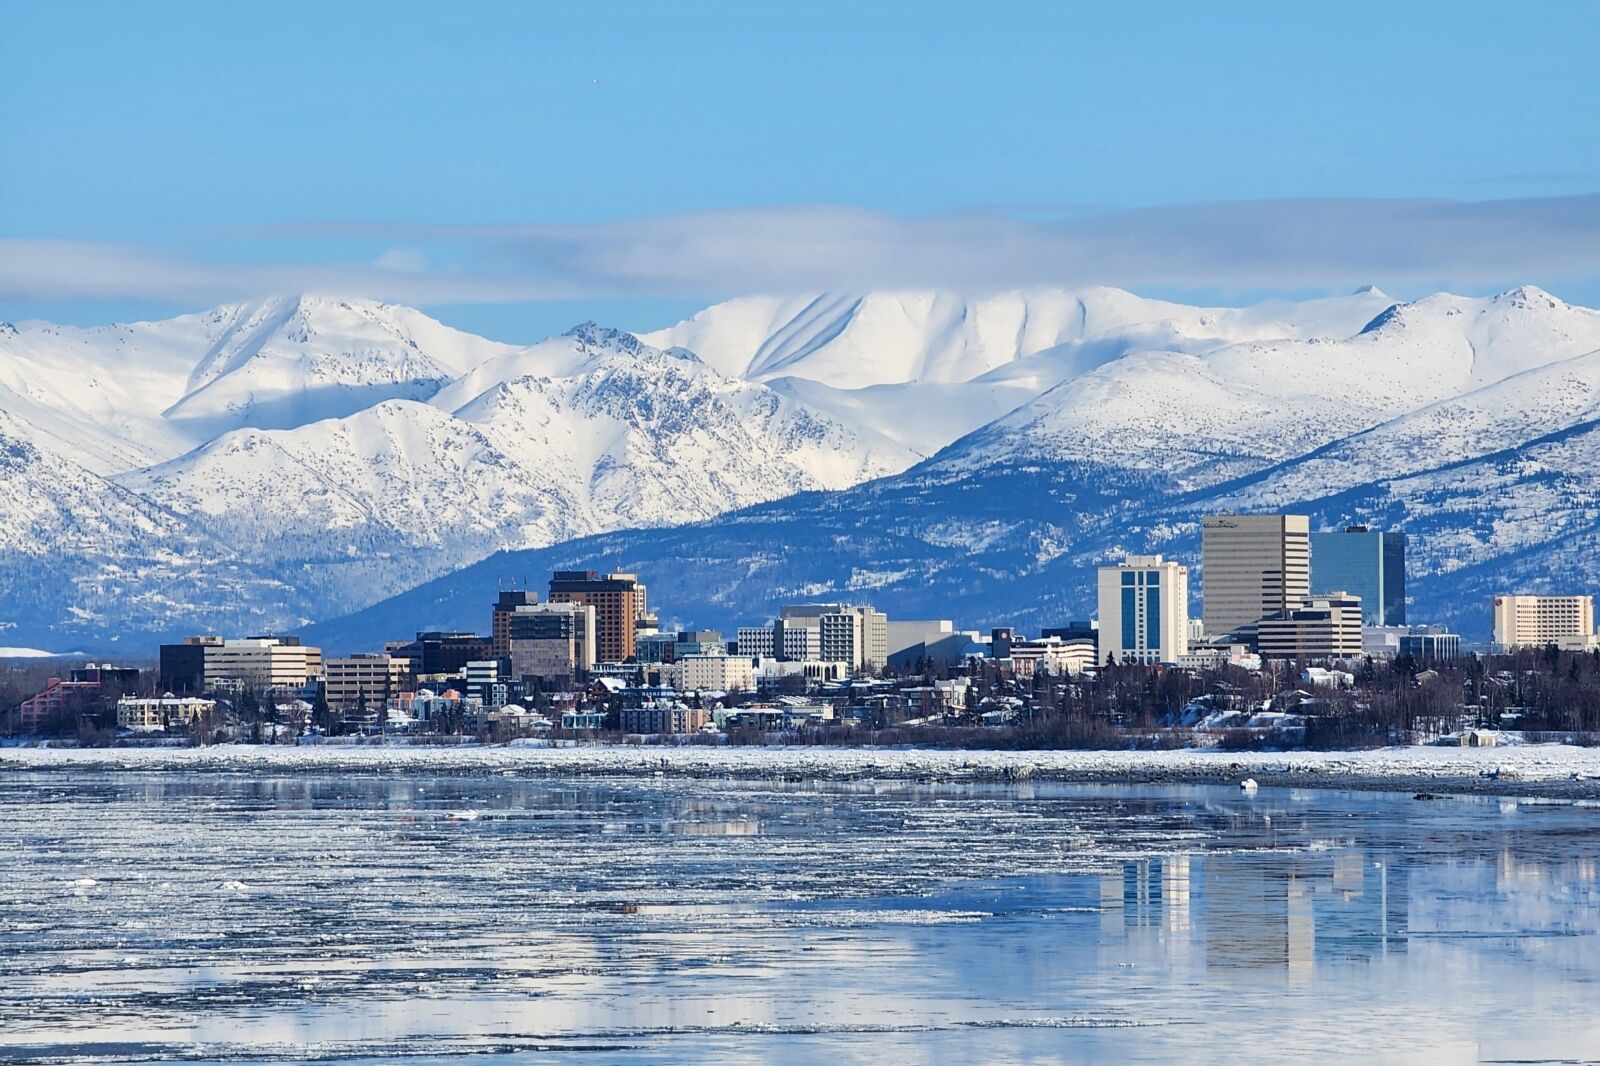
302, 457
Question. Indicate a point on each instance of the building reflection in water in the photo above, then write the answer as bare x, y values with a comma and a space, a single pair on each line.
1262, 910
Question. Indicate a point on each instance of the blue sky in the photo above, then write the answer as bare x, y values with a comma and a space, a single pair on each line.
515, 168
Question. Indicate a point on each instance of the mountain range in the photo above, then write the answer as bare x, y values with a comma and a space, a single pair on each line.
358, 469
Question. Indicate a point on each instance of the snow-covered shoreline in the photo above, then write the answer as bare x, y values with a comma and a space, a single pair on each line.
1528, 769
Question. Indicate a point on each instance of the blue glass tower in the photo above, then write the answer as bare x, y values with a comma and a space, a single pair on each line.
1369, 563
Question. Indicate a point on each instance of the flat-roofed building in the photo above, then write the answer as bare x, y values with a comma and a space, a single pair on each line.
262, 663
1526, 621
436, 653
505, 605
1253, 566
1317, 628
553, 641
1144, 610
756, 642
1052, 655
1370, 563
147, 713
183, 666
366, 681
618, 602
714, 673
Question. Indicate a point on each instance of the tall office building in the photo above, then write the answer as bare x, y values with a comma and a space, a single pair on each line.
1253, 566
1144, 610
1370, 563
553, 641
615, 599
500, 627
1534, 621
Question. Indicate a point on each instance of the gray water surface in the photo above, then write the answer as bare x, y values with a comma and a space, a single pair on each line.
388, 918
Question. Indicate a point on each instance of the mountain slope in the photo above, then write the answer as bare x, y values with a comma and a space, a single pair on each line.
853, 341
172, 476
1471, 423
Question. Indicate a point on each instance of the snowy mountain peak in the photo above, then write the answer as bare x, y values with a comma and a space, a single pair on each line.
1390, 314
1531, 296
597, 336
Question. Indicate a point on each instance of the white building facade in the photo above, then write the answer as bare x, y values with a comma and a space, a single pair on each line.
1534, 621
1144, 610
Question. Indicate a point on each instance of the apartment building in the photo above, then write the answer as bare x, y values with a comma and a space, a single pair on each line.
144, 713
662, 718
711, 673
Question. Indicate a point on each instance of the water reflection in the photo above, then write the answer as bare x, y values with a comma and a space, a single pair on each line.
242, 917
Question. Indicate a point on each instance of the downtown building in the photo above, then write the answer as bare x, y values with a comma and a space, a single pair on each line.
256, 664
1144, 611
1369, 563
1535, 621
1316, 628
365, 681
1253, 566
619, 606
833, 632
554, 642
506, 604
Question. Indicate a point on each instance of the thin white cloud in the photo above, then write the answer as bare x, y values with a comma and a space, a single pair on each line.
1258, 245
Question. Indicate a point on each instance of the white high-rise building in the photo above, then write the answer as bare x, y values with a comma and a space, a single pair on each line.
1534, 621
1144, 610
1253, 566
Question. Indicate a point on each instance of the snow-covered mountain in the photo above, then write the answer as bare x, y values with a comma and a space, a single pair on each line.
350, 449
1474, 424
284, 461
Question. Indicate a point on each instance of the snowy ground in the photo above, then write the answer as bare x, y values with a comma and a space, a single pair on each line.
1544, 769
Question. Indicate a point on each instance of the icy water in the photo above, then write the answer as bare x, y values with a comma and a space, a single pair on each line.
386, 918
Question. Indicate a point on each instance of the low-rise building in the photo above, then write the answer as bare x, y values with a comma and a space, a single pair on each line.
365, 681
1318, 628
914, 643
1430, 642
158, 712
662, 717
